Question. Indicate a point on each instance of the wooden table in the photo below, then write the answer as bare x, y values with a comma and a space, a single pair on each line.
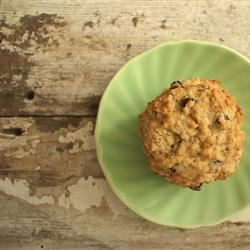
56, 58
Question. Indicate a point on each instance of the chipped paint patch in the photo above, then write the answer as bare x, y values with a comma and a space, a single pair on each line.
90, 192
83, 195
79, 140
21, 189
18, 147
35, 142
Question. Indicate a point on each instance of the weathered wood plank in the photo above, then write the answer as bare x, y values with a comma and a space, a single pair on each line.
48, 152
26, 226
56, 57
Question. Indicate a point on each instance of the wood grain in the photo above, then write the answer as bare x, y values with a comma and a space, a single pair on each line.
48, 152
56, 58
66, 52
54, 228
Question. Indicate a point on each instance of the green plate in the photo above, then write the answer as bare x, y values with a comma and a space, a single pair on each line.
119, 147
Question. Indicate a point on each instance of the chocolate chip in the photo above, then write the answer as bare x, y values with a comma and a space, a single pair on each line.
215, 163
175, 84
196, 188
185, 101
174, 147
172, 170
219, 119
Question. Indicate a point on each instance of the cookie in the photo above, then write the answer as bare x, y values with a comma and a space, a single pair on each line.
192, 133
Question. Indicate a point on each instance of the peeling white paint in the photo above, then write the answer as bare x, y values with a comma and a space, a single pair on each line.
18, 123
83, 195
20, 147
87, 193
82, 139
20, 188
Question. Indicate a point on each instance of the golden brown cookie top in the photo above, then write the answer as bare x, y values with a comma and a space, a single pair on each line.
192, 132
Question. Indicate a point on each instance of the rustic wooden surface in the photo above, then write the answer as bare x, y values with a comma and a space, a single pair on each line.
56, 58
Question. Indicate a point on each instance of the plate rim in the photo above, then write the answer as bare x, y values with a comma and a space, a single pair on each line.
99, 152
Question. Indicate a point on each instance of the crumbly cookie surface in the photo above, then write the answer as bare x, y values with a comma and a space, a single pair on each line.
192, 133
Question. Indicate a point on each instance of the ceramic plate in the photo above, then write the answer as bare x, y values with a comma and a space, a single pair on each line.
119, 147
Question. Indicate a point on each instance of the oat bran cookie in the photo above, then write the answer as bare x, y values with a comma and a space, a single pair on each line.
192, 133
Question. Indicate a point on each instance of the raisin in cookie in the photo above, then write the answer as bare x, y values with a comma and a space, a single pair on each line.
192, 133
